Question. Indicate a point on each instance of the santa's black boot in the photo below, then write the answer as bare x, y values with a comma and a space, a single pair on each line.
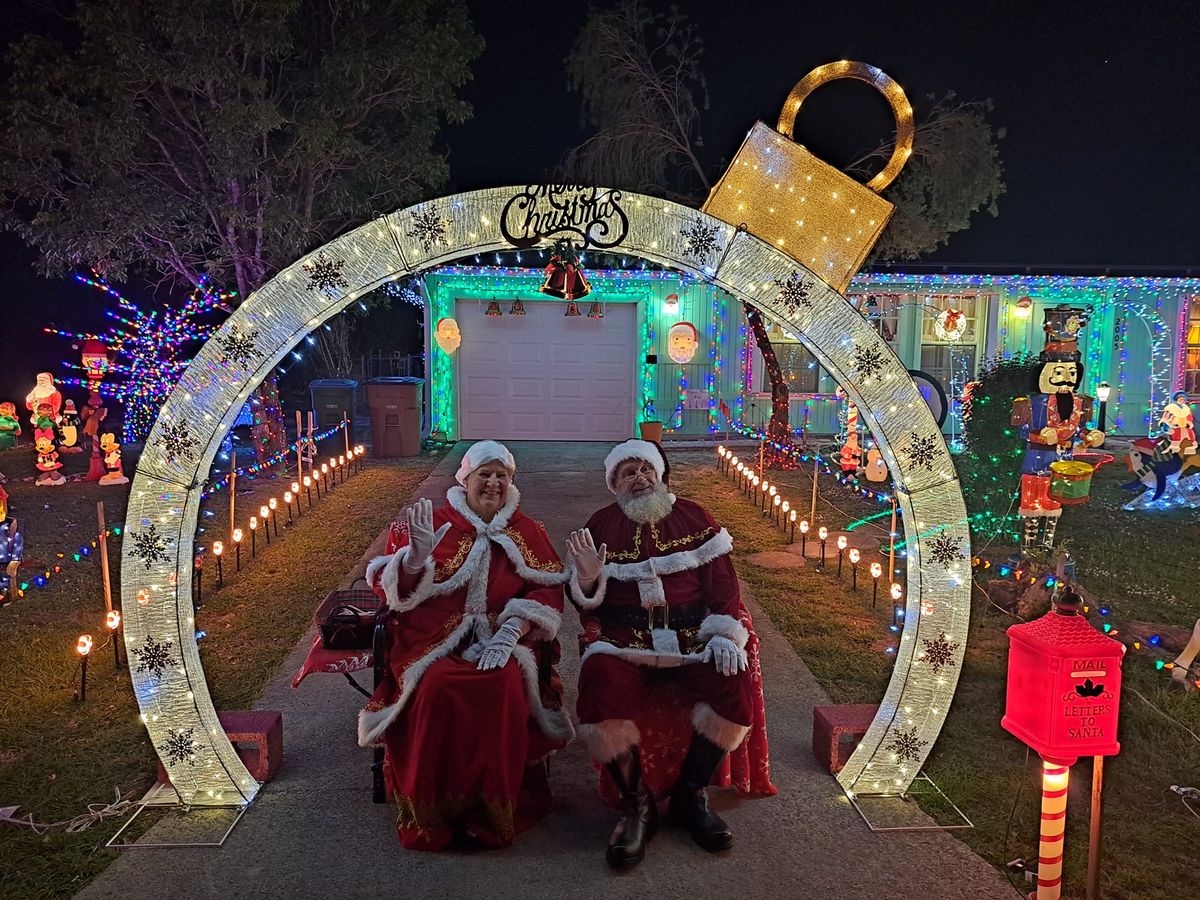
627, 846
689, 802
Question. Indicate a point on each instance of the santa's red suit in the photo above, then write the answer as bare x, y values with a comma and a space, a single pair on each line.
461, 744
666, 589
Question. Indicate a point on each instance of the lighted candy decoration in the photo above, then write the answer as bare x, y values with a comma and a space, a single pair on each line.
682, 342
1063, 700
448, 335
750, 264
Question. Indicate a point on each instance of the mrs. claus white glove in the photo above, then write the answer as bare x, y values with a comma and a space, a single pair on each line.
723, 653
421, 539
497, 651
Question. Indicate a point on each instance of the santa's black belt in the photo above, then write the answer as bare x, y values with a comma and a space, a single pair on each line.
685, 615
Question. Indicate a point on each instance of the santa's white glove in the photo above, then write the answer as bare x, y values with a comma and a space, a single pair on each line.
421, 539
497, 651
587, 560
723, 653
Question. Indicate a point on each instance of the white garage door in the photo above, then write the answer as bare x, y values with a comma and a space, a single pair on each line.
544, 376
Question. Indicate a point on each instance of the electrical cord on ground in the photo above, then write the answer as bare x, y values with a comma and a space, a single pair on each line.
97, 812
1008, 826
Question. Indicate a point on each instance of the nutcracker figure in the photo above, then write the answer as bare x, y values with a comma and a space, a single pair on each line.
1050, 421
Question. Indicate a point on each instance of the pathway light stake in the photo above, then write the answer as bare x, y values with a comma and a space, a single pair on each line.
855, 556
273, 504
218, 549
897, 593
876, 571
296, 494
841, 545
775, 513
253, 539
112, 620
822, 533
287, 502
198, 568
83, 647
792, 519
237, 544
307, 491
325, 475
804, 526
766, 486
770, 495
264, 513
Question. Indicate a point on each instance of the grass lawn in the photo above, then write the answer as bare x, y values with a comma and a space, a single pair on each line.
57, 755
1141, 565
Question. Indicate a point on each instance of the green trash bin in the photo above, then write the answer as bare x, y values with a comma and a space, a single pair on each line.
330, 398
395, 406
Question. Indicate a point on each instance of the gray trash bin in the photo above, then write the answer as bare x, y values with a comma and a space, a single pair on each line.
395, 405
330, 398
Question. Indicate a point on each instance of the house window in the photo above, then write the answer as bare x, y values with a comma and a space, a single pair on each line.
950, 361
1191, 365
800, 368
880, 310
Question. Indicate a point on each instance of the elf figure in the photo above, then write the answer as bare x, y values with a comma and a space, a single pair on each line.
10, 426
1050, 421
112, 460
43, 417
43, 392
47, 458
68, 429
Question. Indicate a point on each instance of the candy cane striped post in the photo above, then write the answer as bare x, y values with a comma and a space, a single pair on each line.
1054, 826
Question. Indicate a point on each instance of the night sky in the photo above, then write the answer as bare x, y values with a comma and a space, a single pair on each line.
1099, 102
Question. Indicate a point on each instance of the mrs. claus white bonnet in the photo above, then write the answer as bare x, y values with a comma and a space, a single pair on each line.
484, 452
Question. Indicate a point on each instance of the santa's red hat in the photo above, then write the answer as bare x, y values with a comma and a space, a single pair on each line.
649, 451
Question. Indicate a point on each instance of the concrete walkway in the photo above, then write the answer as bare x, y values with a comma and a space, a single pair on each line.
314, 833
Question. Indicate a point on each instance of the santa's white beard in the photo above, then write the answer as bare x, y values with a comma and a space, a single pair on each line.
647, 508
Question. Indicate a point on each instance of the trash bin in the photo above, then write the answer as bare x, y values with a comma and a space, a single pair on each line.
395, 405
330, 398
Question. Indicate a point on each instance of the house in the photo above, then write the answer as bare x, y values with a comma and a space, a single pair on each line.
651, 344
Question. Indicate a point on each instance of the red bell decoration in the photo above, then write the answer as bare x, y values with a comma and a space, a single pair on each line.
493, 309
518, 308
572, 309
596, 311
564, 277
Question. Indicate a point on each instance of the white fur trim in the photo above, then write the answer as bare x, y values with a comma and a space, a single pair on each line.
544, 621
373, 723
632, 449
374, 566
482, 452
457, 498
609, 739
726, 627
717, 545
555, 723
652, 658
725, 734
579, 598
651, 593
389, 580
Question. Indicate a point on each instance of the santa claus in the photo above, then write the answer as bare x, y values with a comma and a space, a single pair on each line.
660, 600
44, 392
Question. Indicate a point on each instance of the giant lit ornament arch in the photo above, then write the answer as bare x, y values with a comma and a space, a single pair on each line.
164, 504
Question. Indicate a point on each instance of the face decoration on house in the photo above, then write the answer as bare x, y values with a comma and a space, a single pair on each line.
1056, 377
682, 342
447, 335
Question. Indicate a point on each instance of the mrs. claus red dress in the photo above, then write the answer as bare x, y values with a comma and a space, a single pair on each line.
463, 747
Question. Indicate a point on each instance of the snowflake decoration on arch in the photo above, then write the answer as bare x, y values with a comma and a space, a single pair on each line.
325, 275
701, 240
906, 745
176, 442
868, 361
939, 652
150, 547
794, 293
922, 450
429, 228
181, 746
945, 550
238, 348
154, 657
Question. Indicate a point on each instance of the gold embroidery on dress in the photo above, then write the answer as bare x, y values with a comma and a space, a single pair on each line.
629, 554
636, 552
527, 554
454, 809
444, 570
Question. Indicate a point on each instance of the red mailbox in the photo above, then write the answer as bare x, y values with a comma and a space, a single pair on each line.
1064, 687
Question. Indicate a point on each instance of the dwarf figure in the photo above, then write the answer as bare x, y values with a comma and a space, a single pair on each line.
68, 429
10, 426
43, 392
112, 460
1050, 421
1180, 423
47, 458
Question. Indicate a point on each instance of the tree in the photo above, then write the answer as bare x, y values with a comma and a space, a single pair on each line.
641, 85
181, 138
639, 79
